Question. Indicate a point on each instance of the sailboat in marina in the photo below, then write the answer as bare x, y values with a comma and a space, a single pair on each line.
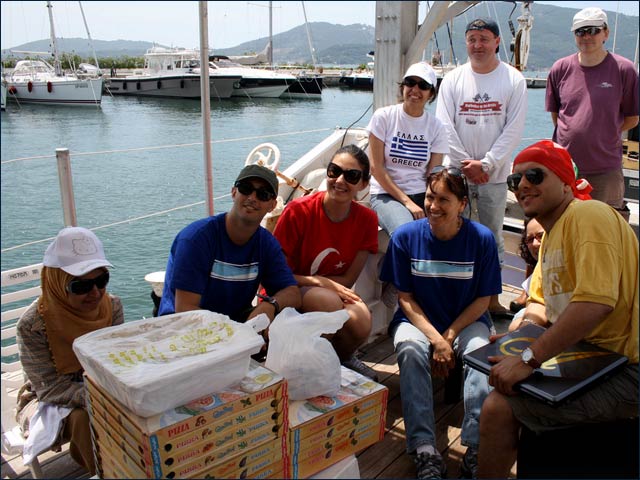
39, 82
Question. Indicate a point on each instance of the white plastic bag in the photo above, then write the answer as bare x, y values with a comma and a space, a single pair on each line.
299, 353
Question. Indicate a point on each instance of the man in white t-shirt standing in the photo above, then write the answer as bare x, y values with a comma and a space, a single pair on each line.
484, 103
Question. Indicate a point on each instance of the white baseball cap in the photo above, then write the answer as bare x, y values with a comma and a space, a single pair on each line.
589, 17
424, 71
77, 251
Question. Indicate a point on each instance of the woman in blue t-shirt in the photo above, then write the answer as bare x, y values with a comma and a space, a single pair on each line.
445, 268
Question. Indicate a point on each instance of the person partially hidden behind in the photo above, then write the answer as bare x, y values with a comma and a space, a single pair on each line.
219, 262
529, 247
445, 268
584, 287
73, 302
327, 238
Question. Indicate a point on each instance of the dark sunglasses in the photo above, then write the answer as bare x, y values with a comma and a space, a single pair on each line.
535, 176
454, 171
82, 287
247, 188
530, 238
350, 176
422, 84
581, 32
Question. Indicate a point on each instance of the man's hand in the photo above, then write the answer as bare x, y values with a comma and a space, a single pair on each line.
472, 169
443, 358
507, 371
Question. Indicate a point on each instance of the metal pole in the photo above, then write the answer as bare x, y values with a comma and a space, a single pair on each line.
270, 34
205, 103
86, 27
66, 187
54, 45
311, 49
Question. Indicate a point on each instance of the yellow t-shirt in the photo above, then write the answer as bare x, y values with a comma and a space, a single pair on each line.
591, 255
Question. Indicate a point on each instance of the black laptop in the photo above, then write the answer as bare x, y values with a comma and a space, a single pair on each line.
559, 378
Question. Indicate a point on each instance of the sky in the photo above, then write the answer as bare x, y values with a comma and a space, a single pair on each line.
175, 23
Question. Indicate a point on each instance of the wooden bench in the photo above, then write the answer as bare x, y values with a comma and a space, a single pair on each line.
18, 301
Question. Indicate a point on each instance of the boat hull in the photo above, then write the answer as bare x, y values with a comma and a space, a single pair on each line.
260, 87
305, 87
361, 82
56, 92
172, 86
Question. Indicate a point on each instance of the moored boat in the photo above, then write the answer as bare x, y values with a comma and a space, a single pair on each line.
37, 81
305, 86
255, 82
175, 73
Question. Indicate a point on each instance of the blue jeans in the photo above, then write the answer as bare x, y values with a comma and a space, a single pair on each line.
487, 204
413, 350
392, 213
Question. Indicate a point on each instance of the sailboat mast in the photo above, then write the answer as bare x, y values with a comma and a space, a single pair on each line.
86, 27
54, 46
306, 24
270, 54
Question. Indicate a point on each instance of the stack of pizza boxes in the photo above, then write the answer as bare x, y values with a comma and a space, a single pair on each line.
239, 432
324, 430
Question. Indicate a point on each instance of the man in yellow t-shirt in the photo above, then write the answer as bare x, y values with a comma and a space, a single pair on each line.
584, 287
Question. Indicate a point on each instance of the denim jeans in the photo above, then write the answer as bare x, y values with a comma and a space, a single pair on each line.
392, 213
487, 204
413, 350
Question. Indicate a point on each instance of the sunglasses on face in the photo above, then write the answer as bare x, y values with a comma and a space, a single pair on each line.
422, 84
247, 188
535, 176
82, 287
530, 238
351, 176
581, 32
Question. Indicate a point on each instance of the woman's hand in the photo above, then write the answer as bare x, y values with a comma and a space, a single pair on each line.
346, 294
417, 211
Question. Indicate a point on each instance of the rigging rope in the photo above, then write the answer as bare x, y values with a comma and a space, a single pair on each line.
128, 220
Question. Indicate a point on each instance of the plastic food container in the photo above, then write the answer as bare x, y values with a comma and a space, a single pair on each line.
155, 364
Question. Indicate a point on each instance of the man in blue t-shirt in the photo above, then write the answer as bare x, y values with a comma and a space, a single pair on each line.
219, 262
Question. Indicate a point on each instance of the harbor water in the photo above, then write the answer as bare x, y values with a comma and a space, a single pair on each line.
138, 174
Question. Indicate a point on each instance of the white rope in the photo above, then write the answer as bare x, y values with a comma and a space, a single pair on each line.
128, 220
159, 147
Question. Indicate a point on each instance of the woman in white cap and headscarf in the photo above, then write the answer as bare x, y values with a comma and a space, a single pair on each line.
73, 302
405, 143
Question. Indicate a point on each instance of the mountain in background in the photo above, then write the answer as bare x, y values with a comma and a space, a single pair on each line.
347, 45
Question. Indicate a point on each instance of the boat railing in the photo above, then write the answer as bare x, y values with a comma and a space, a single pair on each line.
66, 185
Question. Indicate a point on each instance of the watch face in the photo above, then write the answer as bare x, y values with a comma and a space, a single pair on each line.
527, 355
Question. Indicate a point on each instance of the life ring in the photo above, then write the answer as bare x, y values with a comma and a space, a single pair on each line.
30, 86
49, 87
159, 84
13, 90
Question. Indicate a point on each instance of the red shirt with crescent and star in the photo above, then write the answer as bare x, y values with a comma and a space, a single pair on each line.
315, 245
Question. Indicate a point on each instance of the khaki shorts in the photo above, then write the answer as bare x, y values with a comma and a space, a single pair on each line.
614, 399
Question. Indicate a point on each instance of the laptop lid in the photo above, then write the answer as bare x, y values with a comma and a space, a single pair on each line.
559, 378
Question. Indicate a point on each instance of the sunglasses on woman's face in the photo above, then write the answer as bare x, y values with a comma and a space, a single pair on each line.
351, 176
536, 236
82, 287
422, 84
535, 176
581, 32
247, 188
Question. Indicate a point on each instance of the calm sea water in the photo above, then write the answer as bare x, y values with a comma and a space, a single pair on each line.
116, 186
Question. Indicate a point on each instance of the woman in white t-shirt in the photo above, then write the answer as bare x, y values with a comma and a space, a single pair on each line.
405, 143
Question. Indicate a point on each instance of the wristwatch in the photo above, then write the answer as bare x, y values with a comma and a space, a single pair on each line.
485, 166
528, 358
272, 301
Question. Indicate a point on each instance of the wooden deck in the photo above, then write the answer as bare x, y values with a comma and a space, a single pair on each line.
385, 459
